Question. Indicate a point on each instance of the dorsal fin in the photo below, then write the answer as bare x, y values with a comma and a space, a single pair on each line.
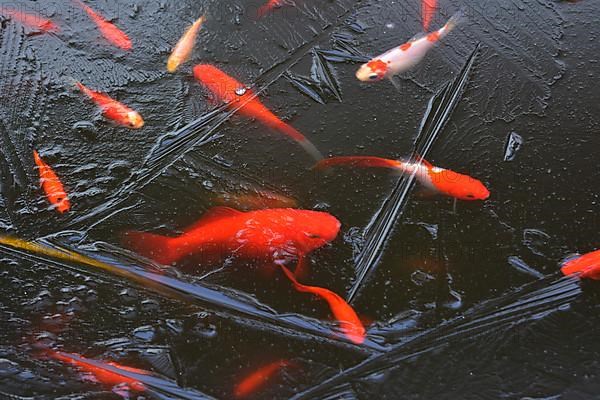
214, 214
423, 161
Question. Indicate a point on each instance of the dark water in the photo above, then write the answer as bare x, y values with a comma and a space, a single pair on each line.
466, 304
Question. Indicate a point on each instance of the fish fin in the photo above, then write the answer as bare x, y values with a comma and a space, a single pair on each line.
302, 268
214, 214
395, 83
349, 322
358, 161
152, 246
423, 161
297, 136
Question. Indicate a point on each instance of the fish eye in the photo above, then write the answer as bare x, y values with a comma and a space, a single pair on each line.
373, 76
313, 236
470, 196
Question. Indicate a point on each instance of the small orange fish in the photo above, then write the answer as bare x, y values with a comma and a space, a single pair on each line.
587, 266
227, 89
106, 373
55, 191
114, 110
349, 321
257, 379
440, 180
110, 32
184, 46
428, 9
268, 7
31, 20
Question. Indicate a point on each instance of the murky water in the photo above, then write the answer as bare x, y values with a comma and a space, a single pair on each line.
463, 303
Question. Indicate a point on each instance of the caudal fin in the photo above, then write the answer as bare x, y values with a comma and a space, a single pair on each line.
149, 245
358, 161
349, 322
293, 133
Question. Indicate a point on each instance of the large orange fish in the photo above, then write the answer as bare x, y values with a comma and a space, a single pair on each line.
107, 373
110, 32
587, 266
55, 191
32, 21
113, 109
428, 9
439, 180
229, 90
271, 236
184, 46
350, 323
257, 379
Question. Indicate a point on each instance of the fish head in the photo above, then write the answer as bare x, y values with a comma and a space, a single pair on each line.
374, 70
173, 63
61, 202
315, 229
135, 120
469, 189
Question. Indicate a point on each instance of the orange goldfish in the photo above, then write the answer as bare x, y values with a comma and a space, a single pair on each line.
271, 235
30, 20
428, 9
269, 6
110, 32
253, 382
437, 179
349, 321
113, 109
184, 46
107, 373
229, 90
55, 191
587, 266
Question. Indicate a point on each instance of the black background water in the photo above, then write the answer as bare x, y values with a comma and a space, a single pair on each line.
534, 75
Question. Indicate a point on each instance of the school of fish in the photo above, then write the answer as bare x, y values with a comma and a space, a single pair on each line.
260, 229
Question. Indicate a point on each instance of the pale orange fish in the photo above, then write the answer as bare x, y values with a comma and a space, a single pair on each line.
30, 20
112, 109
185, 45
428, 9
257, 379
55, 191
110, 32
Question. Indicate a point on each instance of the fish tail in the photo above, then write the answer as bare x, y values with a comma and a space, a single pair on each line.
359, 161
349, 321
299, 138
152, 246
451, 24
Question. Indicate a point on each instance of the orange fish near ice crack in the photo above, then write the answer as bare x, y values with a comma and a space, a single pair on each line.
32, 21
439, 180
112, 109
270, 236
229, 90
587, 266
110, 32
268, 7
54, 189
349, 321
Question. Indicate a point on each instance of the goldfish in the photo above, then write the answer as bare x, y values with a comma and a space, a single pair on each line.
184, 46
438, 180
405, 57
239, 98
271, 235
350, 323
110, 32
108, 373
113, 109
253, 382
55, 191
33, 21
269, 6
428, 8
587, 266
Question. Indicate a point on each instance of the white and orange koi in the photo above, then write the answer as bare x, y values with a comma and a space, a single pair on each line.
185, 45
402, 58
